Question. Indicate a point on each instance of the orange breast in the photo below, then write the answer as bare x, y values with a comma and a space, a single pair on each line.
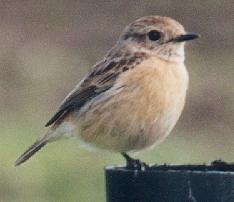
142, 113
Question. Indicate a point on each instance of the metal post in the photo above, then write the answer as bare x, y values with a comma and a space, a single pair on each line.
183, 183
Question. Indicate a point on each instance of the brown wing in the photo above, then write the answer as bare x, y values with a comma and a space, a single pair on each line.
76, 100
100, 79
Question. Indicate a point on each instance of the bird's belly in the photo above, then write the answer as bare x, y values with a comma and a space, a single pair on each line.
141, 115
123, 125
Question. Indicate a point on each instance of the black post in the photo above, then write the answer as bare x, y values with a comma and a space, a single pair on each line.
183, 183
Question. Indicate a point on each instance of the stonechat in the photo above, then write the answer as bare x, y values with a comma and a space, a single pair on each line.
132, 98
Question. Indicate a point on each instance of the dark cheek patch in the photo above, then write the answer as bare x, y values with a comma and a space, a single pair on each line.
139, 38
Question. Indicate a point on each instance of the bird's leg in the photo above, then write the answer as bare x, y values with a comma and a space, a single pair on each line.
134, 164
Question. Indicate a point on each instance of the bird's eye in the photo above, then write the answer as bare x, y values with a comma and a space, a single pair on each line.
154, 35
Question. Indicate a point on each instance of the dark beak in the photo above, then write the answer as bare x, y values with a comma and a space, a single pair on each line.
186, 37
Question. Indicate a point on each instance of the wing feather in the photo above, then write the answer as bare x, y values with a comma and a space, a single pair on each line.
101, 78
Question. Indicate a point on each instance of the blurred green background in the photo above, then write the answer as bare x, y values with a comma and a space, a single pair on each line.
46, 48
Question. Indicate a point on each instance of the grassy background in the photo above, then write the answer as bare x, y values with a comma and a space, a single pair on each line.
46, 48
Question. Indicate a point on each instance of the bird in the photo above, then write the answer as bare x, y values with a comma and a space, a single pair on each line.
132, 98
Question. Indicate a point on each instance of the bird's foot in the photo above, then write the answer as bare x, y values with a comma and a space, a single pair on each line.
134, 164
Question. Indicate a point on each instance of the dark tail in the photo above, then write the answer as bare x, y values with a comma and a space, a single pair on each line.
31, 151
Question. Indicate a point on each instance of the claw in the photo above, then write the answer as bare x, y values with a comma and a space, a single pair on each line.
134, 164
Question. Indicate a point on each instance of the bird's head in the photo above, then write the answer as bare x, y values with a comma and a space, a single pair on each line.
159, 36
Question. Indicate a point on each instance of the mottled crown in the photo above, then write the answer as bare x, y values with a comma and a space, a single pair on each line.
168, 27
